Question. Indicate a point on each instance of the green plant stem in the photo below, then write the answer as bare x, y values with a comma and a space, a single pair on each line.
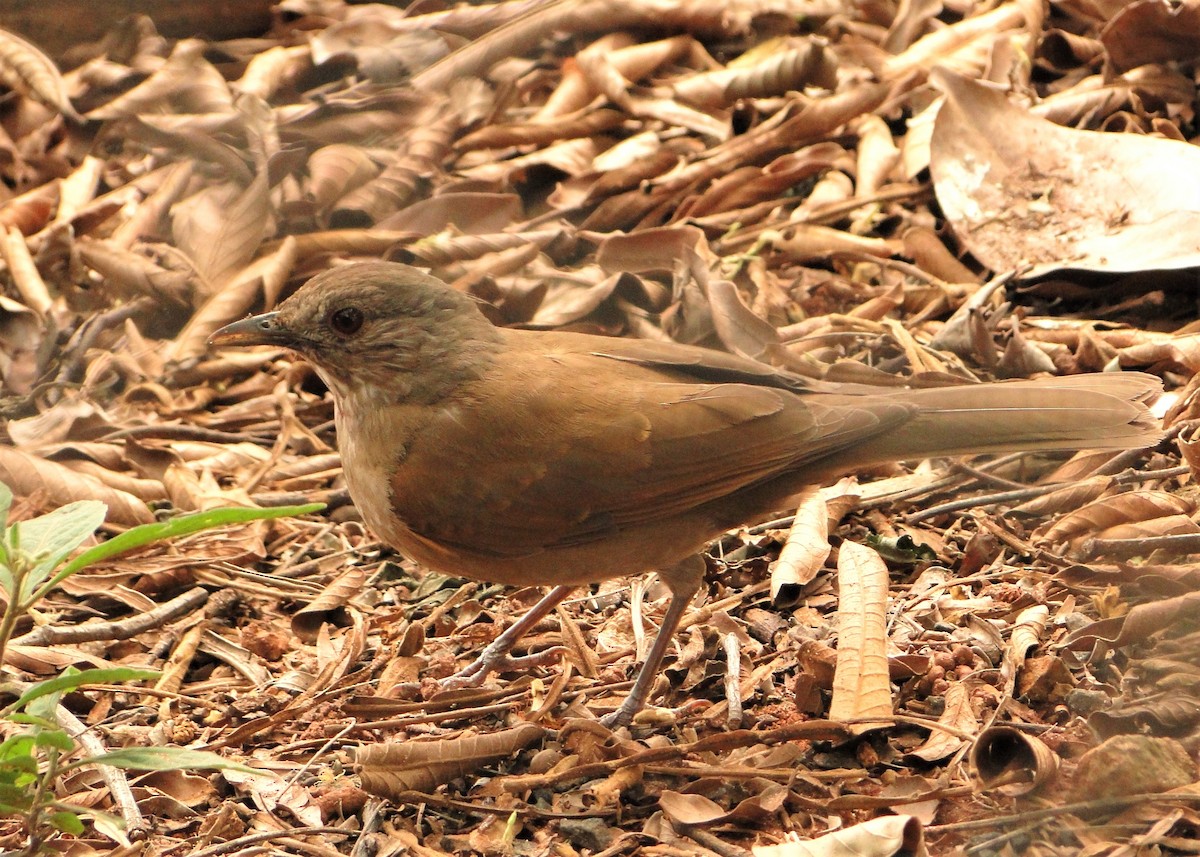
13, 608
39, 804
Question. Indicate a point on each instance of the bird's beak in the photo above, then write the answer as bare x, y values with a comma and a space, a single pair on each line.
264, 329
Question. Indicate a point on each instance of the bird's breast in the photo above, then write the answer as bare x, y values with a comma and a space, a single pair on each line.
373, 439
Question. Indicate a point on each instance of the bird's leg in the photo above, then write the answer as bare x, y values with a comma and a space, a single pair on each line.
684, 581
496, 656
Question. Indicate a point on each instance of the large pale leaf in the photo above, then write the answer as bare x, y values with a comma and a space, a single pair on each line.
1022, 191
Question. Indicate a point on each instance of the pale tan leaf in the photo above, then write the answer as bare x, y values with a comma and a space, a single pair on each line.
1067, 498
959, 717
878, 155
26, 69
328, 603
24, 272
1026, 635
792, 65
336, 170
448, 247
1167, 525
690, 809
221, 227
391, 769
268, 71
886, 836
27, 475
1021, 191
1117, 509
806, 548
79, 188
1142, 621
861, 687
809, 241
740, 330
943, 44
130, 272
186, 80
264, 277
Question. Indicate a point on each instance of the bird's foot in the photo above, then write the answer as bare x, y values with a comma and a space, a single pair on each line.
494, 659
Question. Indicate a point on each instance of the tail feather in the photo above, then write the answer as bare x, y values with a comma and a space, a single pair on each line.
1101, 411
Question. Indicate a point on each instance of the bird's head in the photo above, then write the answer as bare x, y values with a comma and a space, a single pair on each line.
380, 327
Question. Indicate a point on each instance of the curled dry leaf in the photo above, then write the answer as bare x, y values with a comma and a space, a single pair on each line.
1147, 32
1026, 635
1140, 623
328, 604
805, 550
390, 770
26, 69
1069, 497
1117, 509
1008, 760
954, 45
790, 66
221, 227
335, 170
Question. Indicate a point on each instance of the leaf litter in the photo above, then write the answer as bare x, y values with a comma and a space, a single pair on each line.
895, 191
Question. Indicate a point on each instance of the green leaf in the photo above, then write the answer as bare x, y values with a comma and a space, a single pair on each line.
162, 759
13, 800
48, 539
181, 526
17, 751
30, 720
72, 678
65, 822
55, 738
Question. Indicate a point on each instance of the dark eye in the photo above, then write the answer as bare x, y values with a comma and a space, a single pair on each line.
346, 320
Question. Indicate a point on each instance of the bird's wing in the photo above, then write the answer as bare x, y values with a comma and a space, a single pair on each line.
690, 361
580, 450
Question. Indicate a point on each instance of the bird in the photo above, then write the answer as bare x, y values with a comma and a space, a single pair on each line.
561, 459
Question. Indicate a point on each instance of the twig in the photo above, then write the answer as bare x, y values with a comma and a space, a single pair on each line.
711, 843
733, 670
1128, 477
122, 629
1183, 543
434, 717
255, 838
1107, 804
114, 778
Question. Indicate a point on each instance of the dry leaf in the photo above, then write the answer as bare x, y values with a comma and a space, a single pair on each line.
1022, 192
861, 686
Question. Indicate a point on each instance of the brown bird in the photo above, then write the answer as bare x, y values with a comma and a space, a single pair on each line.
560, 459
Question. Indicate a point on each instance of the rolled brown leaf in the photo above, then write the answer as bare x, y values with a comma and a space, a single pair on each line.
1012, 762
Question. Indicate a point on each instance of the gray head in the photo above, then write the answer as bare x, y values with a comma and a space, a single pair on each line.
378, 326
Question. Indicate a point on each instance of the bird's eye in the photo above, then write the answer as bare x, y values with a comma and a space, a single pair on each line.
346, 320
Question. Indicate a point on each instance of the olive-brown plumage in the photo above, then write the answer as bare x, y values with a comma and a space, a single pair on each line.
525, 457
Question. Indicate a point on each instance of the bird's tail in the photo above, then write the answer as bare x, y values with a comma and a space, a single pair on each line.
1101, 411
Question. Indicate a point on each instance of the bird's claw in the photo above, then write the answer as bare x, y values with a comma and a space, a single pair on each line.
475, 673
